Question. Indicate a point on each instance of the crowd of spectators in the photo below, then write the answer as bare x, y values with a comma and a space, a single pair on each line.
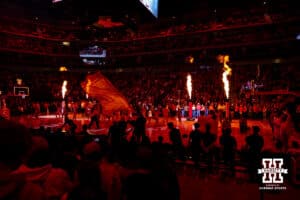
36, 46
234, 30
209, 39
79, 168
113, 166
252, 17
32, 36
154, 90
36, 29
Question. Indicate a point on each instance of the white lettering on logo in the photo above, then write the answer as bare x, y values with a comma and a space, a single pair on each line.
272, 170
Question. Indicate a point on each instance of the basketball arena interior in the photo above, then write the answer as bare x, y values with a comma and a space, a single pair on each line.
186, 99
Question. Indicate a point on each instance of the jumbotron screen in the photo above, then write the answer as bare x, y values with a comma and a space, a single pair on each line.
93, 52
93, 55
151, 5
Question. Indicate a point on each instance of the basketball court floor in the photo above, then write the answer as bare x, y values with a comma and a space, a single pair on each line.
153, 128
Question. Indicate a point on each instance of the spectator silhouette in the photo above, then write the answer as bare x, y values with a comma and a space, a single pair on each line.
195, 140
158, 182
208, 147
255, 143
160, 140
175, 138
38, 169
71, 124
228, 145
174, 134
89, 187
86, 137
139, 127
114, 134
146, 141
15, 142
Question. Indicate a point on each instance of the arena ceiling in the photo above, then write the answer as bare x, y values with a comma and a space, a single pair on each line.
87, 11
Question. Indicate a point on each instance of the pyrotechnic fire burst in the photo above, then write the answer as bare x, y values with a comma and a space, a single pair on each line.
189, 85
64, 89
227, 71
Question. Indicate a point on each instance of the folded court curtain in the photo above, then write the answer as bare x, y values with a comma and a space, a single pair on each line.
99, 87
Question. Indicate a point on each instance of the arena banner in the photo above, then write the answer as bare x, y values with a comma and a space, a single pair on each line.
99, 87
107, 22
